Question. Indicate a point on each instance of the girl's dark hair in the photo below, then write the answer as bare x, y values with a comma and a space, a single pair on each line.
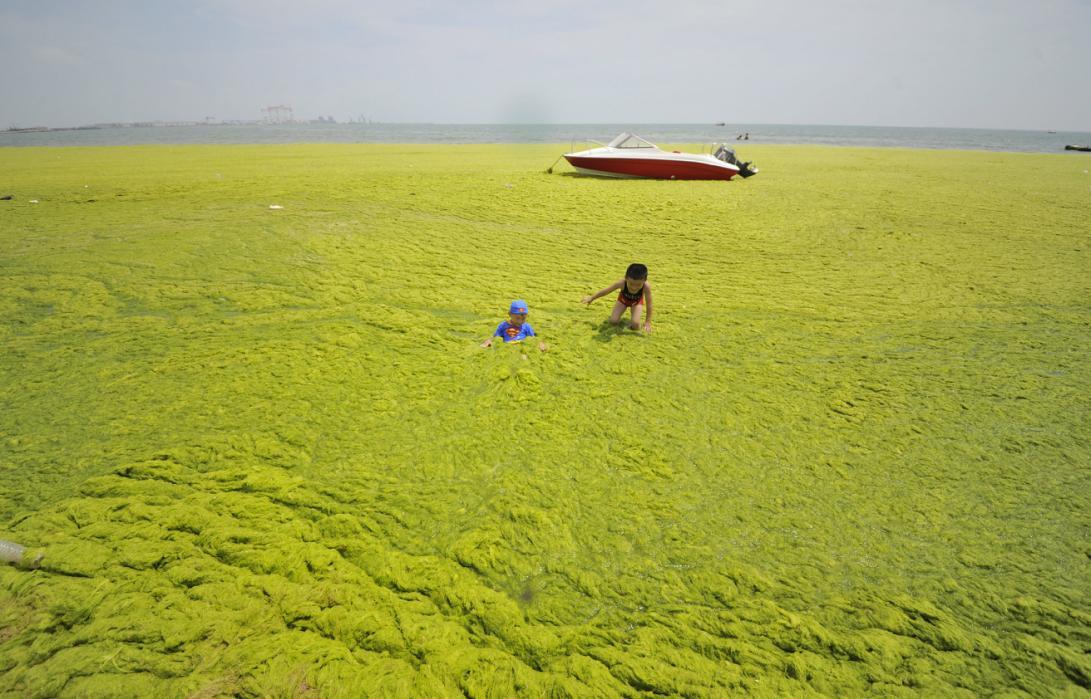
637, 271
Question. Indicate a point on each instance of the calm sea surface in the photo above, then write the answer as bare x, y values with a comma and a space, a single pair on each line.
576, 134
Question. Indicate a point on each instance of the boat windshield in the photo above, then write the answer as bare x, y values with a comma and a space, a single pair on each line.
628, 140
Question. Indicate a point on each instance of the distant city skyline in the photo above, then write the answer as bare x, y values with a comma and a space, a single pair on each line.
995, 64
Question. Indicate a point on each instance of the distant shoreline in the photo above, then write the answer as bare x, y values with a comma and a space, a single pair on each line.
172, 124
128, 125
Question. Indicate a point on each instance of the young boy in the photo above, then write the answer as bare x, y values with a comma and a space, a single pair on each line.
515, 328
634, 293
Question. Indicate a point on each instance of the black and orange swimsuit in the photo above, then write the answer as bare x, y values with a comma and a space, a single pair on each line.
631, 299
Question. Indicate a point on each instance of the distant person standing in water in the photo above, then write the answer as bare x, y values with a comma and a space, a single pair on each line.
634, 292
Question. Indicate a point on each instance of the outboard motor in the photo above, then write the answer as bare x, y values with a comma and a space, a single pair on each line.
728, 156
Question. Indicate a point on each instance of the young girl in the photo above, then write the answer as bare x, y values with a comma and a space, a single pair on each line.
634, 291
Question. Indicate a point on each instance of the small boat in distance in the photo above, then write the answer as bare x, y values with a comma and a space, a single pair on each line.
629, 155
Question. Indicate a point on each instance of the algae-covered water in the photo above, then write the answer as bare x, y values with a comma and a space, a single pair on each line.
260, 452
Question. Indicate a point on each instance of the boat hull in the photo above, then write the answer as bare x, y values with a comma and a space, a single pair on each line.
650, 168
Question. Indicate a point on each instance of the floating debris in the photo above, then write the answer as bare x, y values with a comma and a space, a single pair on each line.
11, 552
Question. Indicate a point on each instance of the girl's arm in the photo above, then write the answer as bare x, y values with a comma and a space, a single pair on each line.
648, 305
613, 287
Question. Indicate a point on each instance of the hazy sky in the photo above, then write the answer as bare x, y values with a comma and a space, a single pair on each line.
1021, 64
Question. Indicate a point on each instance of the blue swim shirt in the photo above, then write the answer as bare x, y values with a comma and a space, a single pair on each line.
511, 333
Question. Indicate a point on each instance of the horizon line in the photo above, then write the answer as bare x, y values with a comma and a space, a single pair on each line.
183, 123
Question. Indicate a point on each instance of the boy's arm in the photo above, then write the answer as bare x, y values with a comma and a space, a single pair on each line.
530, 333
496, 333
613, 287
648, 305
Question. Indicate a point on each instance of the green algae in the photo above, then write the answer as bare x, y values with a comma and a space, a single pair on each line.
262, 454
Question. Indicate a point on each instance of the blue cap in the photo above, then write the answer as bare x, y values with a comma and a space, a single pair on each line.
518, 306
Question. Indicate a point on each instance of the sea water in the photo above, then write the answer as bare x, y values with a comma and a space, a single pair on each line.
573, 134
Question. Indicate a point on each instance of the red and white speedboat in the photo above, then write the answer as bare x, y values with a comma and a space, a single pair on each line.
629, 155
